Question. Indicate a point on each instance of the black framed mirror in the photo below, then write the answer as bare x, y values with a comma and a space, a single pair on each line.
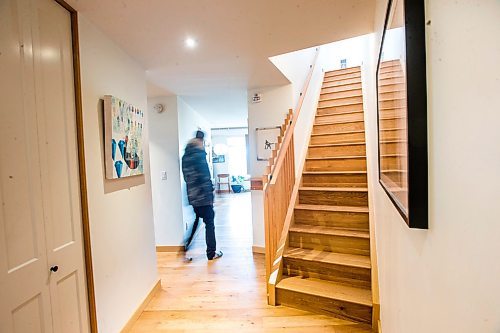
402, 111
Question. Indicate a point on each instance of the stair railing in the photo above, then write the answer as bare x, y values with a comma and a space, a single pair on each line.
280, 192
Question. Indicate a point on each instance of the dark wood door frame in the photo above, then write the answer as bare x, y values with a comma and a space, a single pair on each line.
81, 165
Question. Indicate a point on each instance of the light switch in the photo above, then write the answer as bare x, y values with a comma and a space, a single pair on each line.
163, 175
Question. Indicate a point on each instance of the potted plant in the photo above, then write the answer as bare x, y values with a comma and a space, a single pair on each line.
237, 183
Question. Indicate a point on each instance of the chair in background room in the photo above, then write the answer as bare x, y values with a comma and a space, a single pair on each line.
223, 179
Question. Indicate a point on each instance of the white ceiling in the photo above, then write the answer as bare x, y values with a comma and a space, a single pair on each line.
235, 39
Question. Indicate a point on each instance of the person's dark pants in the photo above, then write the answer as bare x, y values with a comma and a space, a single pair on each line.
207, 214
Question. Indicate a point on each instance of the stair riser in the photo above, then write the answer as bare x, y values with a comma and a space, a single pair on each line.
337, 151
393, 163
391, 75
358, 164
340, 109
340, 127
398, 134
398, 80
391, 88
346, 180
338, 138
349, 220
346, 87
342, 71
389, 63
392, 123
393, 94
353, 276
340, 101
343, 76
397, 103
393, 148
340, 82
327, 306
341, 94
390, 69
398, 177
338, 244
393, 113
333, 198
325, 119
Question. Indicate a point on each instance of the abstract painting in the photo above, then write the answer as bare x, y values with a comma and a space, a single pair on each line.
266, 142
123, 135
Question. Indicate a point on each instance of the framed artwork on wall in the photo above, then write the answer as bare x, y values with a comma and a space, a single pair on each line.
402, 111
123, 138
266, 141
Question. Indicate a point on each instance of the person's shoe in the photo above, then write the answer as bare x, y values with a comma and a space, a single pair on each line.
216, 256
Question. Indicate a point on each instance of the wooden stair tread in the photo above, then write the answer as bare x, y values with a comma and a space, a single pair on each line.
338, 122
338, 133
338, 113
326, 257
351, 89
327, 289
337, 98
333, 189
392, 99
343, 71
328, 208
336, 106
329, 231
336, 158
340, 85
342, 144
334, 172
393, 141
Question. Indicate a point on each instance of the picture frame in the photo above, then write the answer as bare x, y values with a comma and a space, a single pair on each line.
266, 139
402, 111
123, 138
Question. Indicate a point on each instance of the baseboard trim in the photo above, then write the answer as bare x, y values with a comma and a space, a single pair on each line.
167, 248
259, 249
141, 307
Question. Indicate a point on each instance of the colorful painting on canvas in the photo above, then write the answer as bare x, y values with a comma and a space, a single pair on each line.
124, 129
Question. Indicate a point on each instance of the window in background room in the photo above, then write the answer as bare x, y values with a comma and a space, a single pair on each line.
237, 155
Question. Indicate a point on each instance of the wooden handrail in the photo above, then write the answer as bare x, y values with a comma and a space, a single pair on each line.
295, 116
280, 190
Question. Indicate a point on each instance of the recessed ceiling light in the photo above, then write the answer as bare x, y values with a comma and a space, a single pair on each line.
190, 43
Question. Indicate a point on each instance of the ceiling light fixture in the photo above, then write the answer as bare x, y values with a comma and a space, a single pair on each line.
190, 43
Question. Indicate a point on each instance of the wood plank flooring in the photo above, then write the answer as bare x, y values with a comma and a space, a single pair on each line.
229, 294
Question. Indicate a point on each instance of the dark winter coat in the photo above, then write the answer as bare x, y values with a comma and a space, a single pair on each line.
200, 189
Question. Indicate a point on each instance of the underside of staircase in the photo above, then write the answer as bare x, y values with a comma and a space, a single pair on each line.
326, 264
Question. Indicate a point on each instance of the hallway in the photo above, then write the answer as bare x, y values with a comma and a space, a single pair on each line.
225, 295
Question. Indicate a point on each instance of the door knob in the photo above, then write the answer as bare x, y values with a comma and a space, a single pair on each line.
54, 269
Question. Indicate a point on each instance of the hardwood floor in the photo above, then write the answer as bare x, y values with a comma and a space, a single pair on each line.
229, 294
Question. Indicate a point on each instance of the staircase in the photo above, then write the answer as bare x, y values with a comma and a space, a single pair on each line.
326, 265
393, 136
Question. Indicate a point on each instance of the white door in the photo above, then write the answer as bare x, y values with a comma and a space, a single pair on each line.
40, 214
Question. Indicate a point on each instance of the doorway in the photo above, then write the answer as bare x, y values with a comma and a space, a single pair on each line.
43, 275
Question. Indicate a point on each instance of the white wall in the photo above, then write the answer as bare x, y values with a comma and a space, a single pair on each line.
446, 279
120, 211
295, 67
164, 150
270, 112
189, 121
